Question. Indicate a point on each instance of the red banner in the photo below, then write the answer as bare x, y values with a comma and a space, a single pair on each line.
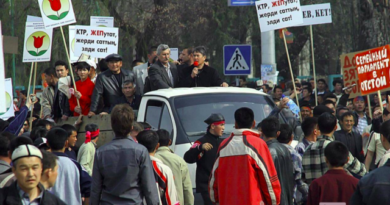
373, 67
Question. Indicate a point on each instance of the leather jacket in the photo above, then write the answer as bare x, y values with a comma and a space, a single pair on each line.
284, 167
109, 88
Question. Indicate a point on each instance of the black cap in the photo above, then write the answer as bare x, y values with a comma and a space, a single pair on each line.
321, 109
214, 118
39, 142
112, 57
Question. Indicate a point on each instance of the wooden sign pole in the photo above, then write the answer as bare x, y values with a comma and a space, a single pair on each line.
314, 64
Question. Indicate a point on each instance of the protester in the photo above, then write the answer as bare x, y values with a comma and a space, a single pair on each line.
129, 96
244, 172
321, 87
320, 109
373, 188
351, 139
204, 153
331, 105
92, 71
141, 71
313, 160
22, 98
60, 109
178, 166
310, 130
49, 169
201, 75
86, 154
278, 92
338, 89
335, 185
43, 123
375, 145
307, 97
164, 177
38, 132
72, 182
306, 111
48, 93
137, 128
361, 119
102, 66
80, 101
8, 177
5, 159
270, 129
122, 170
163, 74
109, 84
286, 137
71, 140
187, 57
27, 167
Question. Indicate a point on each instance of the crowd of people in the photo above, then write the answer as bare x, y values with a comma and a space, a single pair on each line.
333, 151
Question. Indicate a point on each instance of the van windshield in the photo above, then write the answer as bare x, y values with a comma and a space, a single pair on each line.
193, 110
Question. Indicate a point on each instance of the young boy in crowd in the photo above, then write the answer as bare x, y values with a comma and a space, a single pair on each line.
72, 139
86, 155
336, 185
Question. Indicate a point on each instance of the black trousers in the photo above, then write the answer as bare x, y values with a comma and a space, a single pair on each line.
206, 198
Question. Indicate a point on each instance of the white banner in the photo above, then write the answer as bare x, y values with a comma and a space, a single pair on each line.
56, 13
98, 42
37, 43
102, 21
316, 14
2, 75
275, 15
72, 41
174, 54
9, 105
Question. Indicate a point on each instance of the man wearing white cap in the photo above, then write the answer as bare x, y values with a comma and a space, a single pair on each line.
27, 167
92, 72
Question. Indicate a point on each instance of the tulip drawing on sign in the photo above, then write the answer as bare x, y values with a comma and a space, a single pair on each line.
56, 9
55, 6
38, 41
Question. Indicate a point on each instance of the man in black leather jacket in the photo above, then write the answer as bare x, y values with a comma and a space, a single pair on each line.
282, 158
109, 84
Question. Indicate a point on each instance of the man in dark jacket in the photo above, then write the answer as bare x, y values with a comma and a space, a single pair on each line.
129, 96
60, 109
27, 189
163, 74
201, 75
374, 187
349, 137
282, 158
204, 153
109, 84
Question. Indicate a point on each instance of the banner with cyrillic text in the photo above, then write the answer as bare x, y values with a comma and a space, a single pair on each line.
373, 67
349, 72
98, 42
316, 14
278, 14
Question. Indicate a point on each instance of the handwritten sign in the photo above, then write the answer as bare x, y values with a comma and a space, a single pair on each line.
37, 42
316, 14
98, 42
56, 13
373, 67
350, 76
278, 14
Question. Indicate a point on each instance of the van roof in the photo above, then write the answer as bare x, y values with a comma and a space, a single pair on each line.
168, 93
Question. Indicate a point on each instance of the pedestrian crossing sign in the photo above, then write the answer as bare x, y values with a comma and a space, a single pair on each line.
237, 59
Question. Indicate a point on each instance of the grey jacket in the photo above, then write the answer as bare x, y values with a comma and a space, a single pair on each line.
123, 174
159, 78
107, 86
47, 101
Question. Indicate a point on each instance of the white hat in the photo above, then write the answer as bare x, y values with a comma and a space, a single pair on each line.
91, 63
270, 83
259, 83
26, 151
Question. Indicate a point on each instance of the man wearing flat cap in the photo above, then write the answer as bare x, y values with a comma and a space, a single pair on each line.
204, 153
27, 167
109, 84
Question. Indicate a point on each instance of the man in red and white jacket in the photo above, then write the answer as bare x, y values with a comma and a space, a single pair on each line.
244, 172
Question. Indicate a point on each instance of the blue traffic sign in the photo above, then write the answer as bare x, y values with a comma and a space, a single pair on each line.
241, 3
237, 59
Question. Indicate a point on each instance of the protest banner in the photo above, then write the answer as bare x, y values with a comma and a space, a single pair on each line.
102, 21
9, 112
273, 15
174, 54
72, 40
98, 42
349, 72
2, 74
37, 43
268, 72
56, 13
316, 14
373, 67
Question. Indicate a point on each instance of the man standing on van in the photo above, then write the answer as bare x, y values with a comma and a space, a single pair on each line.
204, 153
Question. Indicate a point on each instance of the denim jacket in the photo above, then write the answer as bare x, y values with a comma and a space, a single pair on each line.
374, 187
